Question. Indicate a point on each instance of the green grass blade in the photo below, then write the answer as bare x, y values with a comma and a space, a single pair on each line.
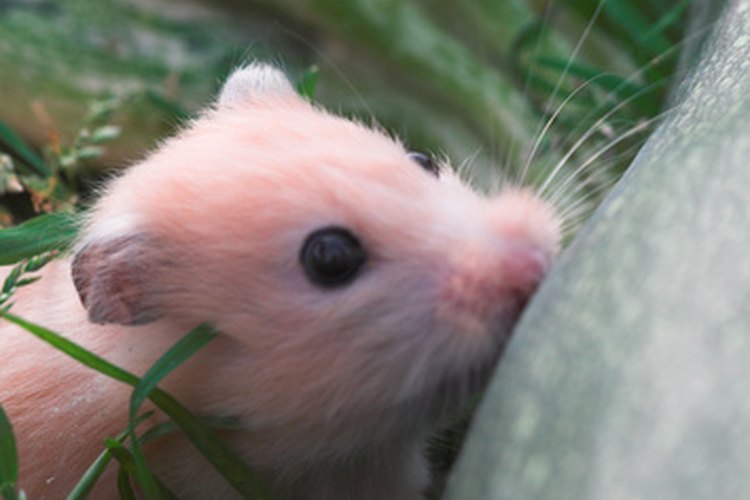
129, 468
8, 458
175, 356
84, 486
608, 81
18, 276
308, 82
123, 486
635, 24
87, 482
40, 234
17, 148
669, 19
11, 279
181, 351
74, 350
234, 470
169, 427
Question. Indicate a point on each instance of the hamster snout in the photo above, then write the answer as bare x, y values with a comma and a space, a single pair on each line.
477, 282
504, 247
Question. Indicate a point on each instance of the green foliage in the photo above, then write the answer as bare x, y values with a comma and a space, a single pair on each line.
87, 482
307, 83
17, 278
175, 356
8, 459
18, 149
42, 234
52, 183
234, 470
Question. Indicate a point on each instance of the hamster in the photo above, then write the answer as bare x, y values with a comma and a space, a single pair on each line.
362, 292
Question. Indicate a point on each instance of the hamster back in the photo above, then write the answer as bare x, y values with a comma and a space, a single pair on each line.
363, 293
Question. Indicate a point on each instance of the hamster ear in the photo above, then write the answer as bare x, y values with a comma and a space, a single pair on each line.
252, 82
115, 280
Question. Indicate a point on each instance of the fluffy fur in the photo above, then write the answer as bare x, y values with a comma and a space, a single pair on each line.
336, 389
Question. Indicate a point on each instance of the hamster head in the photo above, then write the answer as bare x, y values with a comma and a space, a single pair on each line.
364, 289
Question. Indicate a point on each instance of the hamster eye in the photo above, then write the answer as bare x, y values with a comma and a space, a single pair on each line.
332, 256
424, 161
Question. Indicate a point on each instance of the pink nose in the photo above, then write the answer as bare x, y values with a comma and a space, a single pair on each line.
522, 267
491, 283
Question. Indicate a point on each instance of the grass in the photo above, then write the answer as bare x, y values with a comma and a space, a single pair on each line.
232, 468
502, 84
8, 459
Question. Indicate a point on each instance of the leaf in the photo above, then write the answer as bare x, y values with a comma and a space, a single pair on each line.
169, 427
619, 88
27, 281
128, 468
89, 152
670, 18
124, 488
635, 24
38, 235
12, 279
8, 458
175, 356
181, 351
17, 148
123, 485
105, 133
86, 483
308, 82
234, 470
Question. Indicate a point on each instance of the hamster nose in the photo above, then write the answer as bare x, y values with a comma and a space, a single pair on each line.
484, 282
522, 219
522, 267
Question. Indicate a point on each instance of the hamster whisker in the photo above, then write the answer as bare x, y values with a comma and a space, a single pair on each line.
607, 98
541, 128
465, 170
572, 150
562, 198
636, 129
632, 77
542, 134
506, 165
591, 188
576, 212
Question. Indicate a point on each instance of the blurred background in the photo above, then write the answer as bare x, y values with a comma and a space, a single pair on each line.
92, 85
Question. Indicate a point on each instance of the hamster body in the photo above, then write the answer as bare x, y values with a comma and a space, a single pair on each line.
362, 293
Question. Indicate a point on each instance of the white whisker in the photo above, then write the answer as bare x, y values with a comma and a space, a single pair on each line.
541, 129
585, 136
629, 133
550, 121
559, 196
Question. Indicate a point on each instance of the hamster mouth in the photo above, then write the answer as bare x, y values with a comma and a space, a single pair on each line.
454, 391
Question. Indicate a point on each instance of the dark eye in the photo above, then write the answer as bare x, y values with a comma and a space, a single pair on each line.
332, 256
425, 161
